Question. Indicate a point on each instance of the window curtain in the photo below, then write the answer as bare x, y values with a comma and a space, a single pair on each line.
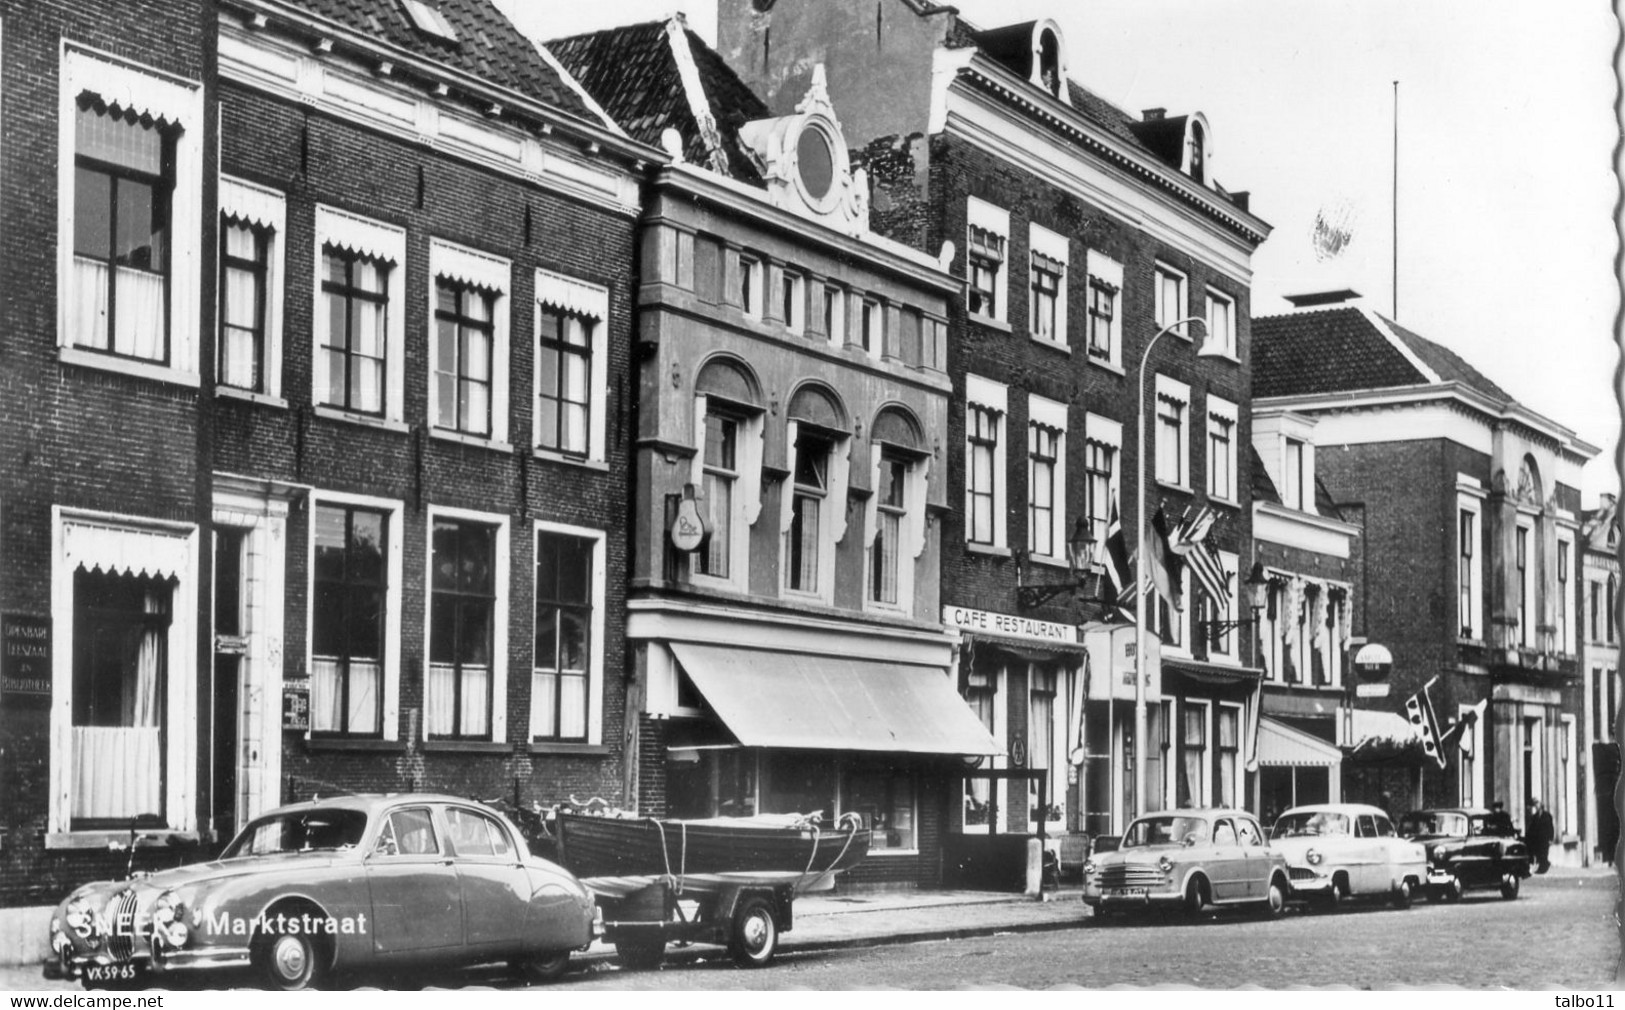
237, 357
558, 700
118, 770
327, 696
138, 326
89, 304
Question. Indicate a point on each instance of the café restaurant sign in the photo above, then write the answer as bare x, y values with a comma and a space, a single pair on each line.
1008, 625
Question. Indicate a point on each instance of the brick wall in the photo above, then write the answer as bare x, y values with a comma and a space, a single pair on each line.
70, 435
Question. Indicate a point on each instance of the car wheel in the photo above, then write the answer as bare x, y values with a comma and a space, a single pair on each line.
639, 955
1452, 890
755, 934
1401, 897
1509, 886
1197, 897
289, 961
1334, 896
1275, 901
544, 967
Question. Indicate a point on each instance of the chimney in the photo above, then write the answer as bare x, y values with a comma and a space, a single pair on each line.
1152, 115
1322, 299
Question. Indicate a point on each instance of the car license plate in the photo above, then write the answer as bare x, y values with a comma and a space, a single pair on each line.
112, 972
1129, 892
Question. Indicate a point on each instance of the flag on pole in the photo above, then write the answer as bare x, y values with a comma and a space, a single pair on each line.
1255, 713
1420, 711
1194, 529
1204, 563
1119, 562
1163, 566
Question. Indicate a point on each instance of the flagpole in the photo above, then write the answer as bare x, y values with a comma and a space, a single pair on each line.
1141, 666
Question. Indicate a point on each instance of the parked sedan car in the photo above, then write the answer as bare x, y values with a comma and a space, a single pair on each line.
1347, 850
1190, 860
332, 885
1468, 848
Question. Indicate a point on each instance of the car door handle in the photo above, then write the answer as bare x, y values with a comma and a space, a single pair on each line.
446, 861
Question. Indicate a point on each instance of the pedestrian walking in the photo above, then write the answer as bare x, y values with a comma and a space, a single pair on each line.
1537, 834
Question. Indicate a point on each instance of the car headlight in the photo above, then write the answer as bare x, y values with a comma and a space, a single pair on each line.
80, 919
1089, 867
169, 920
1312, 857
1165, 864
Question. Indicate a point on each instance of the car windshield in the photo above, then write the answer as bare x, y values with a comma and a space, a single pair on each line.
1496, 825
301, 831
1166, 829
1310, 823
1432, 823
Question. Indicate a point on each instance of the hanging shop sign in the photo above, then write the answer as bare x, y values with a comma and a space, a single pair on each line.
296, 706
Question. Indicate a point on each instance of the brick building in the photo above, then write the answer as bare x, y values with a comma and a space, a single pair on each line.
1082, 234
309, 465
1599, 655
789, 472
1307, 558
1470, 507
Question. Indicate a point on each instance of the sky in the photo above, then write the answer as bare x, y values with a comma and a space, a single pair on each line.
1506, 128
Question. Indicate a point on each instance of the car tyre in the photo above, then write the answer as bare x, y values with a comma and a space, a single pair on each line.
1334, 896
1453, 890
1275, 899
754, 938
289, 962
1197, 897
547, 967
640, 955
1509, 886
1401, 897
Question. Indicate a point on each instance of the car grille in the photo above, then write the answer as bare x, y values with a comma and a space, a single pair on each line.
1302, 873
122, 926
1123, 875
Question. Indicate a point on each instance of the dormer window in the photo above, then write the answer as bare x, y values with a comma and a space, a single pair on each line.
1197, 150
427, 19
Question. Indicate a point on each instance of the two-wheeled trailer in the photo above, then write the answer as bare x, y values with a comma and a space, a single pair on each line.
744, 912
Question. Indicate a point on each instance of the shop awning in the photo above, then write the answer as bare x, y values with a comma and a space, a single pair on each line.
810, 702
1281, 746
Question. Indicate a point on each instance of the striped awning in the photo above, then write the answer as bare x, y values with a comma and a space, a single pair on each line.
1281, 746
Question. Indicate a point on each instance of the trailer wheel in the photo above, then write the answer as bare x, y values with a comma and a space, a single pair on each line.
639, 955
755, 933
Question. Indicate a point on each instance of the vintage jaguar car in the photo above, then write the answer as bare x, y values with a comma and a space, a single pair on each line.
1347, 850
1190, 860
334, 885
1468, 848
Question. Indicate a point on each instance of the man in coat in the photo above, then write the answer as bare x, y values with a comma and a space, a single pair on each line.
1537, 833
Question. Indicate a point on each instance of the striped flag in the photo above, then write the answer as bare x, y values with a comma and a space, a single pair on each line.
1420, 711
1192, 545
1119, 563
1163, 566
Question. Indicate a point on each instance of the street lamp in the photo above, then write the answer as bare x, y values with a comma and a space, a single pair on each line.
1140, 666
1257, 589
1082, 571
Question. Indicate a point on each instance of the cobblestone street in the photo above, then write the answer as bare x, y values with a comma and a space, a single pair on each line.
1561, 932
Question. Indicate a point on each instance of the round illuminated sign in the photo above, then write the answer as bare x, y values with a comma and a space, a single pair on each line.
688, 528
1373, 662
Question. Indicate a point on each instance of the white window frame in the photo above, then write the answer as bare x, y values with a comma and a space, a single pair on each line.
1108, 433
1223, 410
596, 676
835, 319
1220, 341
993, 396
502, 563
490, 273
394, 511
984, 215
1203, 789
1471, 504
747, 492
1297, 493
752, 283
1568, 769
1051, 245
1226, 611
831, 514
561, 292
144, 89
384, 242
1107, 271
1563, 605
872, 326
1051, 414
796, 321
911, 544
81, 537
1168, 314
265, 208
1171, 389
1528, 602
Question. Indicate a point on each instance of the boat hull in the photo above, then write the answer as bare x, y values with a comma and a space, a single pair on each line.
620, 847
